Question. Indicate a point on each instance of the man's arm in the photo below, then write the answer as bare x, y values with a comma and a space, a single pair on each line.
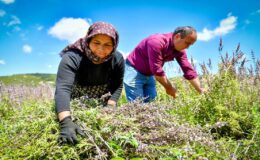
170, 90
196, 84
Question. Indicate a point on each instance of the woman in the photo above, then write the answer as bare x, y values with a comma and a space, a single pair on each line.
91, 67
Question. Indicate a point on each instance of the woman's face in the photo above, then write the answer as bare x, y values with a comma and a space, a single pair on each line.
101, 45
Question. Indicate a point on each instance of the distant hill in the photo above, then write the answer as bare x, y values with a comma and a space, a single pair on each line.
28, 79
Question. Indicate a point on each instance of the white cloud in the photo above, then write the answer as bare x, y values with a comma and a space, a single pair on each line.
49, 66
226, 25
23, 36
69, 29
195, 61
7, 1
2, 61
17, 29
39, 28
229, 14
247, 21
125, 54
255, 12
27, 48
2, 13
14, 21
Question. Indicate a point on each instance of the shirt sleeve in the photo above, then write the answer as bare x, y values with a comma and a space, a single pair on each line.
65, 79
154, 49
188, 70
118, 76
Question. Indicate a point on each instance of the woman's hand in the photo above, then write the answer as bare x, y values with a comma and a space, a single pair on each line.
111, 102
68, 131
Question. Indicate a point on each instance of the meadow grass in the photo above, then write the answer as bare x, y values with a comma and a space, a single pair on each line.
220, 124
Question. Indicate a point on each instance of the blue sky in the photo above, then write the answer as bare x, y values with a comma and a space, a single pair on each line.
32, 33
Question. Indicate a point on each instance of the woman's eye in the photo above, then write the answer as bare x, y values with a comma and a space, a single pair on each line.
96, 43
108, 45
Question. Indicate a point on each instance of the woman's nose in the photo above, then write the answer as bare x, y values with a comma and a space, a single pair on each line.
101, 48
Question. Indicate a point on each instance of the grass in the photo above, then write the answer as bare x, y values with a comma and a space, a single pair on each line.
221, 124
28, 79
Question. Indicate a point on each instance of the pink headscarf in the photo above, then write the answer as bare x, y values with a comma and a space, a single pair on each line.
94, 29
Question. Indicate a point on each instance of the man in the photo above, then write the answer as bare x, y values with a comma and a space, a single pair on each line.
145, 64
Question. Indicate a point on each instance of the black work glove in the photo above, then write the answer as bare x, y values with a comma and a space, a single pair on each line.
68, 131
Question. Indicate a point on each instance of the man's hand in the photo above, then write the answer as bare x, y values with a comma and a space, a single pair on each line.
171, 91
68, 131
196, 84
203, 90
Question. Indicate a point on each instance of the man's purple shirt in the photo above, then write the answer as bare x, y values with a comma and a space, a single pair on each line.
150, 55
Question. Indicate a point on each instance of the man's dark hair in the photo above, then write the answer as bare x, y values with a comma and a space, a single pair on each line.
184, 31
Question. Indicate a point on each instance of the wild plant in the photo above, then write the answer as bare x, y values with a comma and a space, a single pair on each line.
223, 123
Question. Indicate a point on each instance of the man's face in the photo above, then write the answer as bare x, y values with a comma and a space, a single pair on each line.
181, 44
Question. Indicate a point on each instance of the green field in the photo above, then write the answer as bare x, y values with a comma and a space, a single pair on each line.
223, 123
28, 79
